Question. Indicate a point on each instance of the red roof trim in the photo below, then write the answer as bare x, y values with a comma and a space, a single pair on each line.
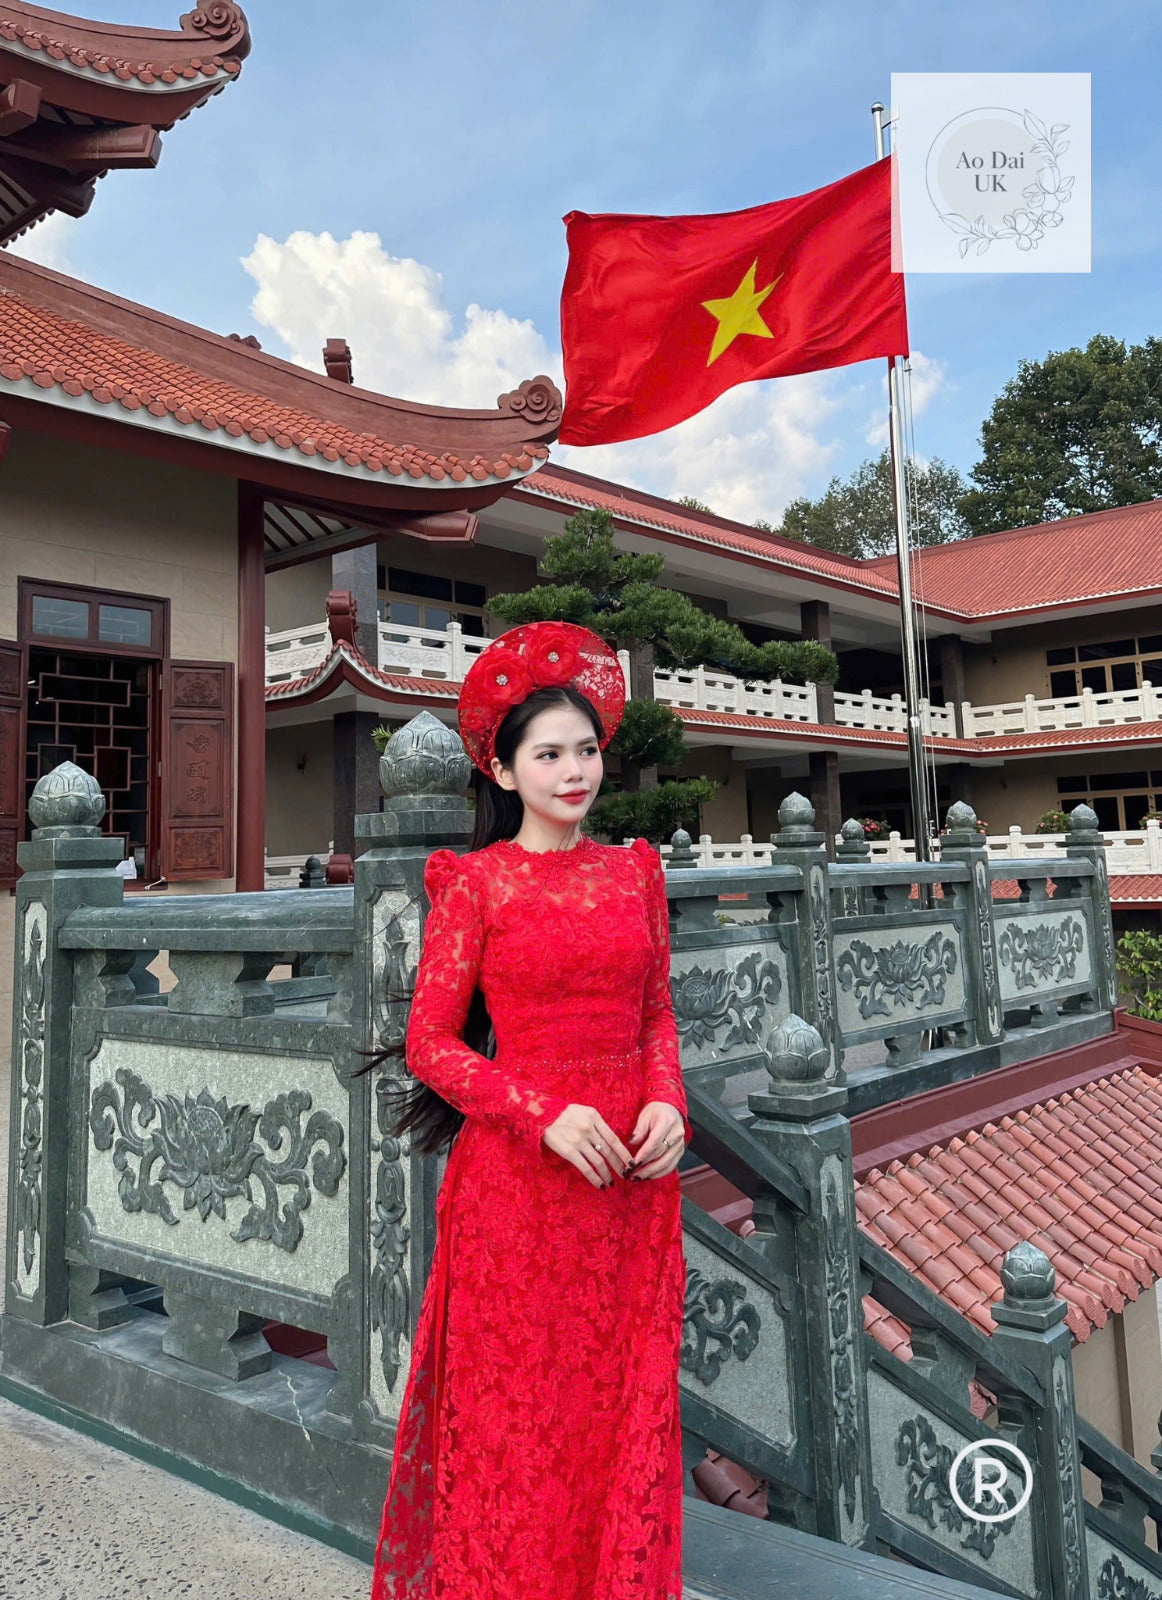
961, 582
213, 41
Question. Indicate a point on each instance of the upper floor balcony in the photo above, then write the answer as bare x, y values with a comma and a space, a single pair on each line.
447, 653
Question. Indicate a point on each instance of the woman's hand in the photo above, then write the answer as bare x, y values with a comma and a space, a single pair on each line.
660, 1124
582, 1135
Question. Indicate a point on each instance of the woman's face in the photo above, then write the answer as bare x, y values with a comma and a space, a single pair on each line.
557, 768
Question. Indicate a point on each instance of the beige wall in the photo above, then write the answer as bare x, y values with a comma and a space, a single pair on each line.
70, 513
725, 816
298, 803
1014, 665
296, 597
1021, 791
73, 514
1117, 1375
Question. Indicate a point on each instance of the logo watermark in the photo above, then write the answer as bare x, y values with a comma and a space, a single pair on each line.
981, 1462
993, 171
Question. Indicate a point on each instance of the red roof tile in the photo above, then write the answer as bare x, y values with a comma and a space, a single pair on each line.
94, 349
1091, 557
1068, 562
1136, 889
579, 489
1102, 1231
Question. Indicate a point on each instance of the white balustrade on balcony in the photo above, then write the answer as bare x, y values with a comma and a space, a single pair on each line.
889, 714
708, 852
448, 652
1085, 710
1136, 850
703, 689
282, 872
295, 651
428, 652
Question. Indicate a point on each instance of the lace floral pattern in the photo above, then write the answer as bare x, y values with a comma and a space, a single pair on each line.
538, 1452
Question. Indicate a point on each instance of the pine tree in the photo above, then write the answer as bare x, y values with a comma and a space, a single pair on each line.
619, 596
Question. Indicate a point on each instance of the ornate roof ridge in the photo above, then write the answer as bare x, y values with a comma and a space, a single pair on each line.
212, 41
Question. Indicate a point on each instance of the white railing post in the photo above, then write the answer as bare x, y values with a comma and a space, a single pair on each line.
1032, 719
895, 848
1017, 846
705, 850
1149, 701
1154, 845
457, 660
898, 716
968, 717
623, 657
1088, 709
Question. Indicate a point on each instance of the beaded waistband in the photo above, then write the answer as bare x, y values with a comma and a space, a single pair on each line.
552, 1062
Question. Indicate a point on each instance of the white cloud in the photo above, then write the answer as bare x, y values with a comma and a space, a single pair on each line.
391, 310
48, 243
758, 447
927, 379
746, 456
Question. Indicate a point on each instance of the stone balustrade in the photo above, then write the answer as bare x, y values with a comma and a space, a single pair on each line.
194, 1169
1085, 710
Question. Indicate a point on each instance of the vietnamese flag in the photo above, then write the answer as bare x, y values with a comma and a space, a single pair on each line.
661, 315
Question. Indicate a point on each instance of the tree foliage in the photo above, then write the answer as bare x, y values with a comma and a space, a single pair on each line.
1140, 972
655, 813
1079, 431
857, 517
617, 595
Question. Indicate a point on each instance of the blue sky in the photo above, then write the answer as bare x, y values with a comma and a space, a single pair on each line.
460, 133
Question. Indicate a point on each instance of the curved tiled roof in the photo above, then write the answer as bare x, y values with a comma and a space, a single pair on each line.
1022, 571
576, 488
212, 43
1075, 1174
111, 356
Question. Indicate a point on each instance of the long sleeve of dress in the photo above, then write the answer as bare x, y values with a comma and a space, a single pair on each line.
659, 1032
448, 970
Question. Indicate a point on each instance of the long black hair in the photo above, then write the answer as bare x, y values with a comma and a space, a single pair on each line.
415, 1107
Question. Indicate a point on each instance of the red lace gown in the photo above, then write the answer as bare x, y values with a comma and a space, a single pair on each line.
538, 1451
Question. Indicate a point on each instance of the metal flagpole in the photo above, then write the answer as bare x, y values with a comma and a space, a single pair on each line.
916, 783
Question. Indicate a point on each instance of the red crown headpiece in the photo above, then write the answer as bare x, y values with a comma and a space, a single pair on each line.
533, 656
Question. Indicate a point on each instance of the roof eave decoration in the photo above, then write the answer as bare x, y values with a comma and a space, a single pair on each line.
210, 42
79, 98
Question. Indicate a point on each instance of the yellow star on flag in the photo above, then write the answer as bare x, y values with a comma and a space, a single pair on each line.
739, 314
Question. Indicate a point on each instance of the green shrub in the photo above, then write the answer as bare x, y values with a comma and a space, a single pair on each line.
1140, 974
1052, 821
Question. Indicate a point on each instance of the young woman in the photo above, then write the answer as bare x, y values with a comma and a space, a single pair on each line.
538, 1450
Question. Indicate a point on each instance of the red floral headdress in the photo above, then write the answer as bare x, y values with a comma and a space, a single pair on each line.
533, 656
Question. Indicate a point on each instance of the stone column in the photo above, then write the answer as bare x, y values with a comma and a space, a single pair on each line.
67, 863
797, 844
963, 843
424, 774
815, 623
951, 648
357, 571
1031, 1331
1085, 842
355, 782
801, 1120
823, 780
